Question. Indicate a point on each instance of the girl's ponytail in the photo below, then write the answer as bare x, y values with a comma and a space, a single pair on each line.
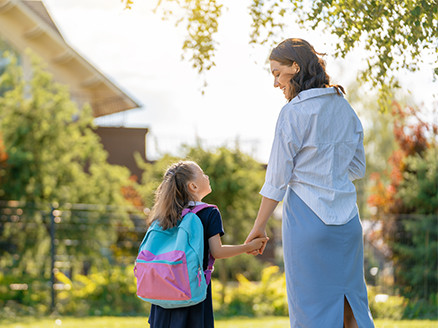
172, 195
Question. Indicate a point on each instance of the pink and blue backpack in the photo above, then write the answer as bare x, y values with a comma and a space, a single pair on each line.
169, 263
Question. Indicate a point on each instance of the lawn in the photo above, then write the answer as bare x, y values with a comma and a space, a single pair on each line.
138, 322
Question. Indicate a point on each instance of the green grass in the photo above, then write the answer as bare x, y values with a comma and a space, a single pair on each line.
139, 322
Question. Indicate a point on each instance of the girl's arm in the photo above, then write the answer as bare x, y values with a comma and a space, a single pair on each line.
266, 209
219, 251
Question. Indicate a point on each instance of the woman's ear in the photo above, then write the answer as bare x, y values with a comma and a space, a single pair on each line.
295, 67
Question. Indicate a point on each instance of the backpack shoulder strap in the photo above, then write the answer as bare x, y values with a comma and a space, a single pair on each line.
211, 259
210, 268
196, 209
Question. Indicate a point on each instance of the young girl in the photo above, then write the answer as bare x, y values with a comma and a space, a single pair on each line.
185, 185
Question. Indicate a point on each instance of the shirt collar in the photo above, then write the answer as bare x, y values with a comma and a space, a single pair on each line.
192, 203
312, 93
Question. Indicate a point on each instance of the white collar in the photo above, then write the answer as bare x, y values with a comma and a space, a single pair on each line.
192, 203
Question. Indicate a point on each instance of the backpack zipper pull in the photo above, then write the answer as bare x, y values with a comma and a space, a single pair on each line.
199, 276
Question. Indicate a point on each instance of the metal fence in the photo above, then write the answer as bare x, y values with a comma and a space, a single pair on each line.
43, 239
39, 240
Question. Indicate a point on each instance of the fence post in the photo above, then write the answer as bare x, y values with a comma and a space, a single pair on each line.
52, 258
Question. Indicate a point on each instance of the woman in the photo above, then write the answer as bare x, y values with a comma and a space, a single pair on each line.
316, 154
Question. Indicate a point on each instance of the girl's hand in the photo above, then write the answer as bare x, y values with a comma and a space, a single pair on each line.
254, 234
257, 244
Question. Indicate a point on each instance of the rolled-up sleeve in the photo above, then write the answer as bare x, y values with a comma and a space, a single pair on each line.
357, 167
287, 141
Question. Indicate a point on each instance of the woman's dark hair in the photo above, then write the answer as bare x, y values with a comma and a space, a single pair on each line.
173, 195
312, 72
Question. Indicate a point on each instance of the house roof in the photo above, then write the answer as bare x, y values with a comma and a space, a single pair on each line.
38, 8
28, 24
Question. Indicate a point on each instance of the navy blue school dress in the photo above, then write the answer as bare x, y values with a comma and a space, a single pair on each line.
316, 154
199, 315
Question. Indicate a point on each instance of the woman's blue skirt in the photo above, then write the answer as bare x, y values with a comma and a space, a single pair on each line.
323, 264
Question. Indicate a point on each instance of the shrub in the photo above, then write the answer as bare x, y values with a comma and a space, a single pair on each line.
266, 297
110, 292
387, 306
422, 309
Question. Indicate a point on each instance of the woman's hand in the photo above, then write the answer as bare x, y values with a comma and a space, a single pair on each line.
255, 234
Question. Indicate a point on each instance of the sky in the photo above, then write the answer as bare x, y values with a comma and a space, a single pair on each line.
141, 54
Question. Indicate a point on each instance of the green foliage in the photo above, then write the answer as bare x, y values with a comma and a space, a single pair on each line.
407, 205
53, 153
396, 34
422, 309
107, 292
391, 308
200, 20
418, 190
53, 157
416, 256
32, 301
268, 297
265, 297
416, 251
112, 292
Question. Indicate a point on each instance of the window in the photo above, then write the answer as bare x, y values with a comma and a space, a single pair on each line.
4, 61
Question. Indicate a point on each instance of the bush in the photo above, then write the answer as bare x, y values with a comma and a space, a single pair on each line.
111, 292
269, 297
266, 297
34, 299
422, 309
385, 306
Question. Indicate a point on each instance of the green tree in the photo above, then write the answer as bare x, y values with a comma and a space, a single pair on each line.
53, 153
396, 34
406, 200
417, 251
53, 156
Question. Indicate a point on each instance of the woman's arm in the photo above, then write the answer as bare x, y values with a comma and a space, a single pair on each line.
219, 251
266, 209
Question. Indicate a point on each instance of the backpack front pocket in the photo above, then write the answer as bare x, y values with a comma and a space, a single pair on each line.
163, 276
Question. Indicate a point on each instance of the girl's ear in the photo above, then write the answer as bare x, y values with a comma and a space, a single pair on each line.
192, 187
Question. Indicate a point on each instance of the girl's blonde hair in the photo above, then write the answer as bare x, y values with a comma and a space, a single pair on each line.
173, 195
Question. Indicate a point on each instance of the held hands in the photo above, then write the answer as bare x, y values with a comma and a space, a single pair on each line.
266, 209
259, 238
257, 244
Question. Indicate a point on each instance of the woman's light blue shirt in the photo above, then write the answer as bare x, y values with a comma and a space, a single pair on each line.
318, 152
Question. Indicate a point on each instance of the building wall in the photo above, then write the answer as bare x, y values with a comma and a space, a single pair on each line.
27, 25
121, 144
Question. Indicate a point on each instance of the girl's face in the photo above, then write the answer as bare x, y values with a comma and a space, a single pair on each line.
200, 186
282, 76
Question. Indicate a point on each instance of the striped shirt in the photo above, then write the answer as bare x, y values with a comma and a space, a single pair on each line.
318, 152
